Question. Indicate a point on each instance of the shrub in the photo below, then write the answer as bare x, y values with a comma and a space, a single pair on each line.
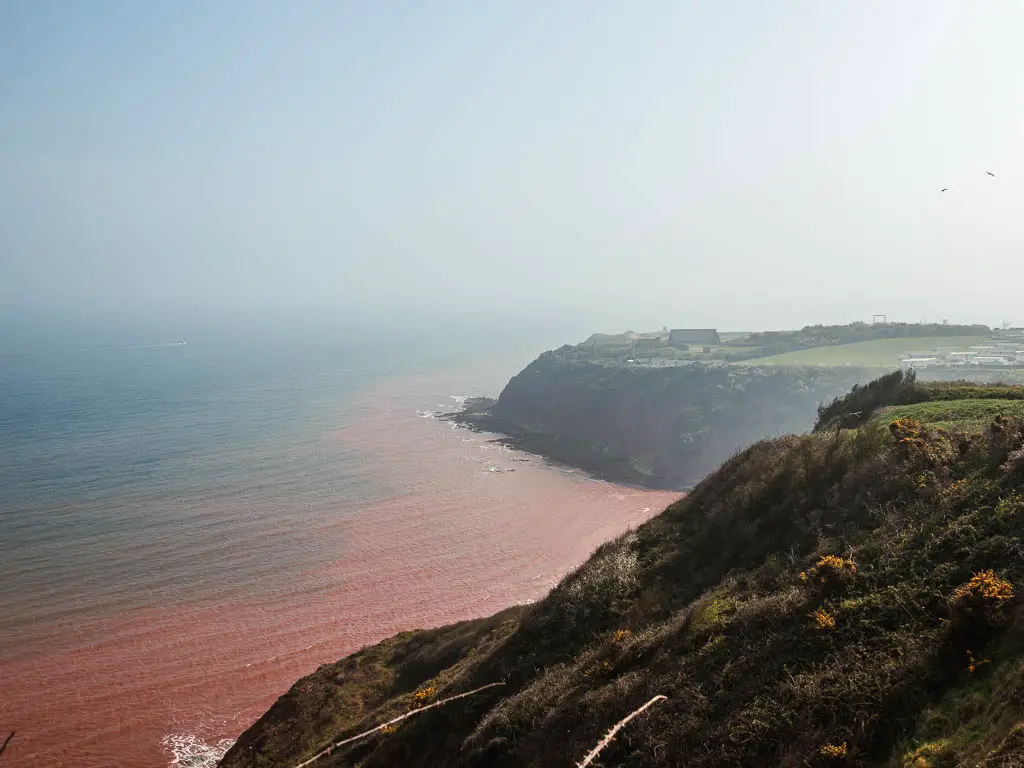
905, 429
823, 620
621, 637
422, 696
921, 447
856, 408
1014, 463
834, 751
936, 754
600, 587
709, 614
984, 596
830, 574
978, 606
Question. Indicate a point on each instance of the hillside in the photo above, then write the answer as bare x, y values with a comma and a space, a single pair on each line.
737, 347
846, 597
879, 353
818, 337
900, 393
656, 427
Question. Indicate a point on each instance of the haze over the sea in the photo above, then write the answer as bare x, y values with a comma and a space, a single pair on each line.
592, 165
248, 249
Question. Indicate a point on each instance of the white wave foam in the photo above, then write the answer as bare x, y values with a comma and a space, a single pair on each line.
190, 751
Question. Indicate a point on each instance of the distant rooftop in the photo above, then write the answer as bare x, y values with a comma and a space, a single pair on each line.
694, 336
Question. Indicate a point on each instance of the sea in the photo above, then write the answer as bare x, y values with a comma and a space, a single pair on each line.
188, 526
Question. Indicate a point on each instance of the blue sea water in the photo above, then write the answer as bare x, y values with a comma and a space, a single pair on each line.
138, 477
112, 458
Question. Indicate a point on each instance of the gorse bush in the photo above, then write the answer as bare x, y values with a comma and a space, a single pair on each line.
622, 637
983, 598
830, 575
423, 696
905, 430
823, 620
833, 751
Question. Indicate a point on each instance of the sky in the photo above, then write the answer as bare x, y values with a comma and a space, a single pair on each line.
586, 164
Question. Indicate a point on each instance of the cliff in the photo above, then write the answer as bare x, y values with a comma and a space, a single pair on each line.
838, 598
654, 427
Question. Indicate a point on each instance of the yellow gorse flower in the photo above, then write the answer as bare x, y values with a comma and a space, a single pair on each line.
621, 637
986, 586
973, 663
835, 751
423, 695
830, 570
823, 620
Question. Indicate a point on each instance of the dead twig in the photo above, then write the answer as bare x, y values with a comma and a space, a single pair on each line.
592, 755
391, 722
6, 742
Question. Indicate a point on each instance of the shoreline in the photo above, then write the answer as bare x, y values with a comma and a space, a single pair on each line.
450, 540
511, 435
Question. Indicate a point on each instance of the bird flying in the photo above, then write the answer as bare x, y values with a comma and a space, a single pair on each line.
990, 174
943, 190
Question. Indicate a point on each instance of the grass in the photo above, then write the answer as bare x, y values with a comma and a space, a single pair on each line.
901, 388
962, 414
880, 353
845, 597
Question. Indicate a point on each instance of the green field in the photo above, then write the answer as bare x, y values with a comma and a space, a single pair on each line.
880, 353
961, 414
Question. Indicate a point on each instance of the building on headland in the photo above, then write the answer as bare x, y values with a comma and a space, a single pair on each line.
684, 337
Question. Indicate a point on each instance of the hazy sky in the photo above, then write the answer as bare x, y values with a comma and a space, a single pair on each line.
625, 164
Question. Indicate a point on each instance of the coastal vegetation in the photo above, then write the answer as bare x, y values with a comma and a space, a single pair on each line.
844, 597
664, 418
821, 337
868, 344
933, 401
654, 427
878, 353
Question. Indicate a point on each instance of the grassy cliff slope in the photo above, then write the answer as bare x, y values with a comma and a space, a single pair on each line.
840, 598
656, 427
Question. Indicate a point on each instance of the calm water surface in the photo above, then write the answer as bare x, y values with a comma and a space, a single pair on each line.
187, 529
